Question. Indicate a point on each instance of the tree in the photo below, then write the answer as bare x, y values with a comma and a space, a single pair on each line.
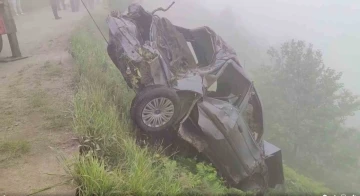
305, 105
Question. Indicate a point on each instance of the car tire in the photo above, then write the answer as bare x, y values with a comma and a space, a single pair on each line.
155, 110
138, 96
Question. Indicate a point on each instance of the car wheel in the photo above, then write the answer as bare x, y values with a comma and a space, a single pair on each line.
155, 110
138, 96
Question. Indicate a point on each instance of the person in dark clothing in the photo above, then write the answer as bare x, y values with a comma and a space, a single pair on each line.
54, 7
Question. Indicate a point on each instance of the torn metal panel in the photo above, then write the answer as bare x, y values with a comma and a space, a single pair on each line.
157, 72
125, 32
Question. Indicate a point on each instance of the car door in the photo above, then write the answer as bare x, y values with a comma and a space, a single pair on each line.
231, 146
218, 121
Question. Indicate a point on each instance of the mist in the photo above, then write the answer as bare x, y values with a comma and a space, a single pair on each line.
332, 26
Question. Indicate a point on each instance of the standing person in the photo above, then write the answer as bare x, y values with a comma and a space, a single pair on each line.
54, 7
16, 4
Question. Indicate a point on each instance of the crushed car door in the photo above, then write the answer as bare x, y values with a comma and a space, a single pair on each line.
217, 120
231, 146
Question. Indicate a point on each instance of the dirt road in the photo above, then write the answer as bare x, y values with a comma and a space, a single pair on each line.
35, 105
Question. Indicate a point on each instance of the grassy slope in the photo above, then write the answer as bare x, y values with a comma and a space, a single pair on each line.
101, 118
297, 183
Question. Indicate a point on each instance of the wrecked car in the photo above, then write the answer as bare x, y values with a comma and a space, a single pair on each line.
189, 83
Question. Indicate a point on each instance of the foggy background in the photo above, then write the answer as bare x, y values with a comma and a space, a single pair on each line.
333, 26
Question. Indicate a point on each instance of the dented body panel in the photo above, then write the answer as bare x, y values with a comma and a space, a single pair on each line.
221, 112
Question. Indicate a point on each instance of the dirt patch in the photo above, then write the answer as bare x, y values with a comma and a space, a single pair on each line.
35, 104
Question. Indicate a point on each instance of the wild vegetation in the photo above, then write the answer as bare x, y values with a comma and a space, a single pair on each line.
305, 107
13, 149
113, 160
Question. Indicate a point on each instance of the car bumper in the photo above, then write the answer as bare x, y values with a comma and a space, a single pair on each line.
274, 164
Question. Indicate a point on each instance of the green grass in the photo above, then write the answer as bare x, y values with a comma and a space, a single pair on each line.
296, 183
56, 118
37, 98
115, 163
13, 149
52, 70
8, 114
301, 184
55, 111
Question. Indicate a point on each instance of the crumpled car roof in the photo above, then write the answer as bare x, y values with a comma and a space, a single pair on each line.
124, 30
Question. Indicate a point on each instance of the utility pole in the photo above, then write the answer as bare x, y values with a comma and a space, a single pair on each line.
7, 26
